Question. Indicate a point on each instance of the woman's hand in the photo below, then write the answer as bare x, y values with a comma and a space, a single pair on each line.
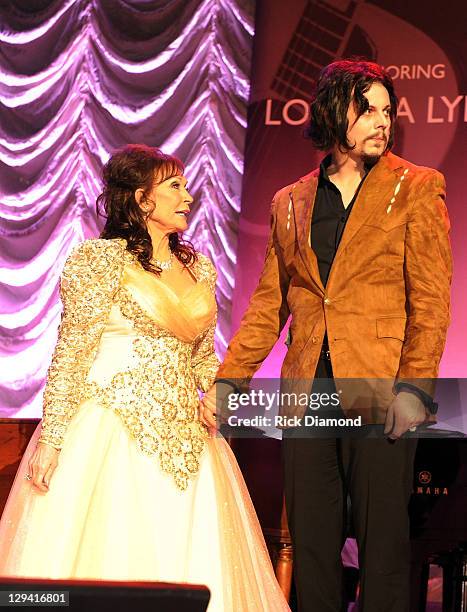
207, 410
42, 464
212, 405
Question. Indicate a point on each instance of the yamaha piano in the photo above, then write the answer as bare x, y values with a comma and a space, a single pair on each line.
438, 514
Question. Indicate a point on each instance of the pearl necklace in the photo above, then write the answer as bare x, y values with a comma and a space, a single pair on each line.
164, 265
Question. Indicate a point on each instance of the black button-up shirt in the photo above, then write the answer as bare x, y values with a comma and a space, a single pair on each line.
327, 225
329, 219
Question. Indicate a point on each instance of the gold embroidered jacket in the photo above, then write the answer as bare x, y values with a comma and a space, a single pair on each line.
127, 341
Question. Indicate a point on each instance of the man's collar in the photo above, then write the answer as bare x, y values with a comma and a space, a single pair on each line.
388, 163
326, 162
323, 167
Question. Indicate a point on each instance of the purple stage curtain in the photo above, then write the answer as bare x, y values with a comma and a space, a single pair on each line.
78, 79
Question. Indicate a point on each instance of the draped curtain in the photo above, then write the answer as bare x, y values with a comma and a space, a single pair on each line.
78, 79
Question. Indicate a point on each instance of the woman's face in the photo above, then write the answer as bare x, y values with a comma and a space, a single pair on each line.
168, 204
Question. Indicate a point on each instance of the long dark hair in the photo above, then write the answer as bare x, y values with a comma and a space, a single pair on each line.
339, 84
135, 167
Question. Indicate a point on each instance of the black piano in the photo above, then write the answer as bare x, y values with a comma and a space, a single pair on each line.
438, 513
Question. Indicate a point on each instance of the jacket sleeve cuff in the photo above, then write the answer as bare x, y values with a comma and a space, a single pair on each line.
426, 399
229, 382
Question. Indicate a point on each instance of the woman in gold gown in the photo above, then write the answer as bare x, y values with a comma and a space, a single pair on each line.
121, 480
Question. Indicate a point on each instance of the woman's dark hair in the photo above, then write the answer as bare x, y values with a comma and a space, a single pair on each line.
137, 167
340, 84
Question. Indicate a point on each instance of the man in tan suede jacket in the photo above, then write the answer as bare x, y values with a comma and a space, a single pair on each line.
359, 256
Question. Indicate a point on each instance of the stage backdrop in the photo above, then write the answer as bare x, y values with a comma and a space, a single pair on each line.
78, 79
423, 47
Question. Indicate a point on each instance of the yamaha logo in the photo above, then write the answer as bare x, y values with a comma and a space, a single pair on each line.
424, 477
423, 488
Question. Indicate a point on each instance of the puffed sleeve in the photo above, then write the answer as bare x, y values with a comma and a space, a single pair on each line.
88, 283
204, 360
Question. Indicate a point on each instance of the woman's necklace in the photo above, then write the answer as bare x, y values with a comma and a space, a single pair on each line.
164, 265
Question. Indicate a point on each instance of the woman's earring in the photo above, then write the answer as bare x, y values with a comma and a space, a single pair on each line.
148, 210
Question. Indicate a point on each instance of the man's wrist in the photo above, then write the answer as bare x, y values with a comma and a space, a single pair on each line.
430, 405
227, 381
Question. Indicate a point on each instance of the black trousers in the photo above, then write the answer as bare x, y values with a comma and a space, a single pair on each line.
377, 473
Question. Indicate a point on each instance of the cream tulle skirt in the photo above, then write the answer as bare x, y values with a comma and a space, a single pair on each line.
112, 514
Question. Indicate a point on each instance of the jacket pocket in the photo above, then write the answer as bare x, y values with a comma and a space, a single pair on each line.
391, 327
388, 225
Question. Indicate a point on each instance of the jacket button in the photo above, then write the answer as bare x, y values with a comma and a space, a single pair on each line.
314, 339
327, 301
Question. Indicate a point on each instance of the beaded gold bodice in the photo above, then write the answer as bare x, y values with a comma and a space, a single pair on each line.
128, 342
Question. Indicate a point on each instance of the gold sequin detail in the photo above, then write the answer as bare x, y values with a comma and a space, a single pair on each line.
156, 397
89, 281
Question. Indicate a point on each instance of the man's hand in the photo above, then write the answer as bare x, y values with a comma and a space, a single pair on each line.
406, 411
211, 405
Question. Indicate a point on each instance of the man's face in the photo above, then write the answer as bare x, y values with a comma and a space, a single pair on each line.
370, 132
